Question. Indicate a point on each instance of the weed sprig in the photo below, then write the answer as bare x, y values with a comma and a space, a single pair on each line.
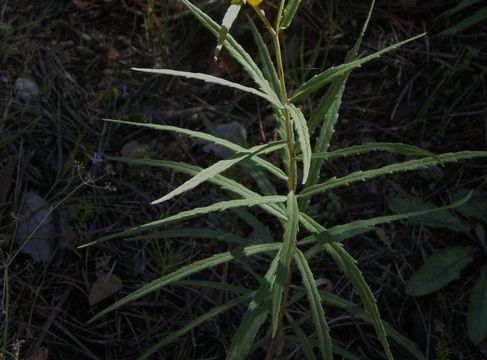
305, 144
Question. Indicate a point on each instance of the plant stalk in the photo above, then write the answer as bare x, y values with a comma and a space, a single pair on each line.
274, 32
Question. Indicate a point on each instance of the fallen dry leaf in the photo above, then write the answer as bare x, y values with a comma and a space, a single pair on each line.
37, 225
103, 287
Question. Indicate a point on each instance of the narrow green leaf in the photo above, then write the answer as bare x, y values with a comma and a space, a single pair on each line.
186, 271
235, 50
439, 270
302, 129
477, 309
327, 111
224, 182
289, 12
213, 139
255, 316
214, 80
460, 6
353, 309
285, 257
196, 322
188, 214
317, 311
397, 148
219, 167
348, 265
265, 57
354, 274
345, 231
320, 80
416, 164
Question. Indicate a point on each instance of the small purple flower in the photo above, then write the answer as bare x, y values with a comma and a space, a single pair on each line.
98, 157
125, 91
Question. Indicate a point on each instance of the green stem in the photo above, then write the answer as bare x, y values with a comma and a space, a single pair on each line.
274, 32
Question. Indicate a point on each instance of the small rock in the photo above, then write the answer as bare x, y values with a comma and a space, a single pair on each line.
233, 132
26, 89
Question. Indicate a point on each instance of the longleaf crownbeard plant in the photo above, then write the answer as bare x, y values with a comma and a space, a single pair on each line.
304, 144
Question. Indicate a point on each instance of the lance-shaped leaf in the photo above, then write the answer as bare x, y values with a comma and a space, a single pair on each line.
255, 316
397, 148
210, 138
188, 214
477, 309
218, 168
214, 80
225, 183
345, 231
327, 111
265, 57
302, 129
416, 164
439, 270
188, 270
320, 80
322, 329
285, 257
348, 265
235, 50
289, 12
356, 311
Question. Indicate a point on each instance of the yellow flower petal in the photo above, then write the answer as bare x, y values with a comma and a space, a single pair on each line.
254, 2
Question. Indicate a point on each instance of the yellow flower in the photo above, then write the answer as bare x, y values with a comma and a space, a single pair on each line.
254, 2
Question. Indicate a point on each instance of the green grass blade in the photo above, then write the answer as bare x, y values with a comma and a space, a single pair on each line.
261, 230
317, 311
265, 58
289, 12
320, 80
285, 257
196, 322
235, 50
219, 167
214, 80
224, 182
186, 271
194, 233
303, 135
210, 138
302, 339
188, 214
416, 164
397, 148
479, 16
